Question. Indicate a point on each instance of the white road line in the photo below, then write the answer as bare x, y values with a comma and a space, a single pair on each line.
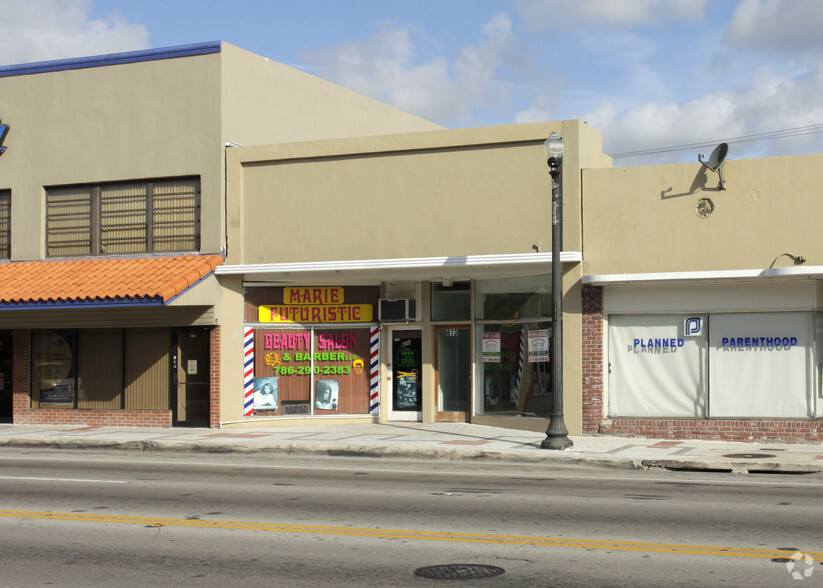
63, 480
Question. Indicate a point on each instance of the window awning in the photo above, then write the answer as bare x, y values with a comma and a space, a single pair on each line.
101, 281
375, 271
743, 275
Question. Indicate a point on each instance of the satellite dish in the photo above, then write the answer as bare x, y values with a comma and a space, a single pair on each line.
715, 162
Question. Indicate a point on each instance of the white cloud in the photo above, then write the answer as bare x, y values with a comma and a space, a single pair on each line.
386, 66
541, 14
770, 103
38, 30
782, 25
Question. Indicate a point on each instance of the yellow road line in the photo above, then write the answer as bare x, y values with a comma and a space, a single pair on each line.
414, 534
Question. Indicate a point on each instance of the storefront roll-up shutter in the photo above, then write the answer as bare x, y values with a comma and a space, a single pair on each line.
655, 368
760, 365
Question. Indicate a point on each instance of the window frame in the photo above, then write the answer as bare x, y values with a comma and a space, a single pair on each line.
5, 224
88, 222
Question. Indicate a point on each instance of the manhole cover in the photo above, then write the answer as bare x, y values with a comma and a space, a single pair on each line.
458, 572
748, 455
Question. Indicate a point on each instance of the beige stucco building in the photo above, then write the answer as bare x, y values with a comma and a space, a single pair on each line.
113, 217
451, 227
706, 301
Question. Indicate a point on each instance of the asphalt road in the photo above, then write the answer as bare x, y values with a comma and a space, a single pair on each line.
83, 518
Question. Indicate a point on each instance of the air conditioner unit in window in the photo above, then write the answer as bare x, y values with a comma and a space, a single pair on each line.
401, 310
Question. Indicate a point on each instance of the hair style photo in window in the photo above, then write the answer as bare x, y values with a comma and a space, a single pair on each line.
326, 395
265, 394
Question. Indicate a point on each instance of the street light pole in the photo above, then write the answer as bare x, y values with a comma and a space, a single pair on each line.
557, 437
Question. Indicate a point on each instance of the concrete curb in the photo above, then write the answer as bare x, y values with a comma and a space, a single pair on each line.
735, 467
789, 463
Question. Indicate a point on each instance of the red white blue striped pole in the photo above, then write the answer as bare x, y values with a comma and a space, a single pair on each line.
248, 372
374, 371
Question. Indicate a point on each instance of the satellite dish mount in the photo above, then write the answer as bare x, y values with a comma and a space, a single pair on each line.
715, 162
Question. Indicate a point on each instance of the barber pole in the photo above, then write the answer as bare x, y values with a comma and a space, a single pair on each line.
248, 373
374, 371
520, 358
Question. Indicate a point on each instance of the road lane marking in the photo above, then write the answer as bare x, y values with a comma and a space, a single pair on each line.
638, 546
44, 479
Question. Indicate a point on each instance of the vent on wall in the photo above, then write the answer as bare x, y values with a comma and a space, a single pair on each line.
400, 310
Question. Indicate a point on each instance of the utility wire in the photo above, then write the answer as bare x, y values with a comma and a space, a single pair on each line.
792, 132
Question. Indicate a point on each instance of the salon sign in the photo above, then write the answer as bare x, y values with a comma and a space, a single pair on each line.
314, 305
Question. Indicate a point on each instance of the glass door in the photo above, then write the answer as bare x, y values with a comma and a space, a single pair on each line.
192, 377
406, 371
453, 372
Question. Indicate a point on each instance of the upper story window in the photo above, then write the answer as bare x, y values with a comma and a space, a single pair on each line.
5, 224
154, 216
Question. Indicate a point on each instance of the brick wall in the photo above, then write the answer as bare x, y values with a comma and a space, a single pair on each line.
594, 400
93, 418
214, 378
717, 429
594, 326
21, 349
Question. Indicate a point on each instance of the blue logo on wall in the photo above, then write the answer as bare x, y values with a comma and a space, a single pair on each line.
693, 326
4, 130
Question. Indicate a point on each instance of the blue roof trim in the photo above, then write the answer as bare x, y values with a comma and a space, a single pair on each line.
111, 59
125, 302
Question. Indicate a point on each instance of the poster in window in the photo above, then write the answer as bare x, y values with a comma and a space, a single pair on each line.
491, 347
53, 365
265, 394
539, 345
328, 391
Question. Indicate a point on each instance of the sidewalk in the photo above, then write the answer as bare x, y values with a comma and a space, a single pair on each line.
438, 441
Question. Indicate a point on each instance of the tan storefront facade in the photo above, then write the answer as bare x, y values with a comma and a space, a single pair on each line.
449, 234
704, 304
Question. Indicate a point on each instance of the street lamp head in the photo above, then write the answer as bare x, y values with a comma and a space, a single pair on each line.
554, 151
554, 146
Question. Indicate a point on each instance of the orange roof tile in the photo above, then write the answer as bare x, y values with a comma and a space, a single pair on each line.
102, 279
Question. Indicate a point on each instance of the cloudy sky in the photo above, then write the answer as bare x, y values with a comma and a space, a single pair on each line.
666, 78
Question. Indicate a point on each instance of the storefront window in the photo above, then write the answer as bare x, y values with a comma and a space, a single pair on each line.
451, 303
513, 298
657, 366
759, 365
513, 345
311, 371
514, 366
101, 368
53, 368
719, 365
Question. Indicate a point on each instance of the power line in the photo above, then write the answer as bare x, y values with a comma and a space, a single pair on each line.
791, 132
